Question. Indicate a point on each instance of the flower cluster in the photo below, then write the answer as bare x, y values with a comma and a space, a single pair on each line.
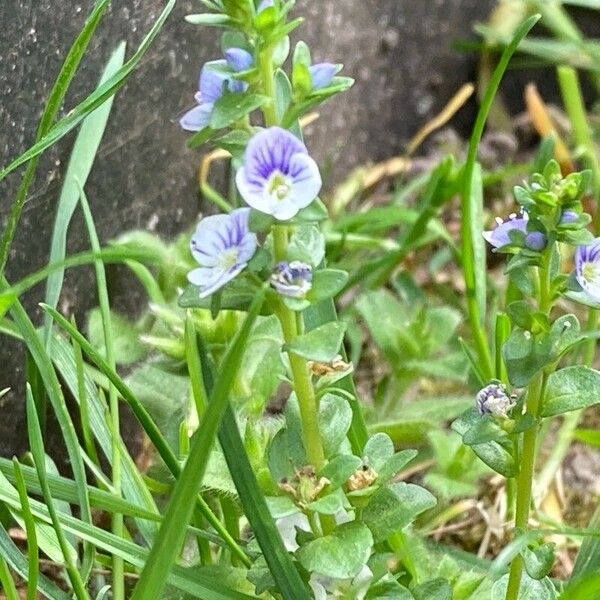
278, 178
216, 77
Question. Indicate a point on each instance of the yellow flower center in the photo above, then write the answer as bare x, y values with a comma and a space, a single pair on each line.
590, 272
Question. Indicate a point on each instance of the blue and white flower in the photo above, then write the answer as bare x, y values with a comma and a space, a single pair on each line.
278, 177
215, 78
293, 279
322, 74
500, 236
222, 245
587, 269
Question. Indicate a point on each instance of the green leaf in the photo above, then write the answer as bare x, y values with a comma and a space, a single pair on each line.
232, 107
339, 469
321, 344
340, 555
127, 346
379, 449
436, 589
82, 158
327, 283
238, 295
388, 589
335, 418
485, 429
307, 245
164, 395
530, 589
539, 560
526, 354
395, 464
395, 506
588, 556
494, 454
330, 504
571, 388
173, 528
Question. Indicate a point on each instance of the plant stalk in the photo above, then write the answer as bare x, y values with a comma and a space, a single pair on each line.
291, 323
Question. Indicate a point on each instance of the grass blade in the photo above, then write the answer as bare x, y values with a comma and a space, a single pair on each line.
172, 532
12, 555
191, 581
57, 400
57, 95
162, 447
39, 457
80, 164
255, 507
93, 101
31, 533
118, 528
8, 583
470, 199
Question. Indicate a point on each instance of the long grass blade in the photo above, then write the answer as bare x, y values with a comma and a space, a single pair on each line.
13, 556
30, 531
195, 583
470, 239
172, 532
118, 575
39, 457
286, 576
134, 488
8, 583
57, 95
80, 164
57, 400
152, 431
93, 101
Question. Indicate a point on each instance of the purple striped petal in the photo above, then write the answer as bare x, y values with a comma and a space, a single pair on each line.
587, 268
222, 245
278, 176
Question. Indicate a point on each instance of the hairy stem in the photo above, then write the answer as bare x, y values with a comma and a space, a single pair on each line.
535, 397
292, 323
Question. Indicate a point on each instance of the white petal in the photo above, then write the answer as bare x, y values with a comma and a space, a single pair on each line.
202, 276
252, 193
224, 278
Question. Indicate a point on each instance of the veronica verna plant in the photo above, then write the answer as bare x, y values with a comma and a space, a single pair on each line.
329, 488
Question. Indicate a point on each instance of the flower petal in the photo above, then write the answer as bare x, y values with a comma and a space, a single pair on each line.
271, 150
587, 269
213, 78
221, 279
197, 118
500, 236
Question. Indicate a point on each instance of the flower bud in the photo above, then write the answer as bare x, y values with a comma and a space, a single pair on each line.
535, 240
292, 279
493, 400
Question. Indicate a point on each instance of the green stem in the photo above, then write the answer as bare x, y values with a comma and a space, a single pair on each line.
535, 396
291, 324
